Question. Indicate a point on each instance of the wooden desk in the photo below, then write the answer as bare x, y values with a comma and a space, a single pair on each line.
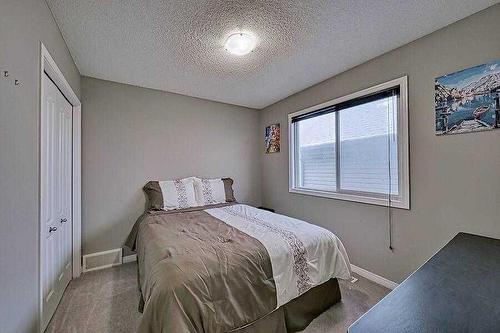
457, 290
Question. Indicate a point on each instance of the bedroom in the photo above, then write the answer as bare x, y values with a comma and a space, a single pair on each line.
157, 95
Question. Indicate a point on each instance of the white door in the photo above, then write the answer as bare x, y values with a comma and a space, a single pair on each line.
56, 200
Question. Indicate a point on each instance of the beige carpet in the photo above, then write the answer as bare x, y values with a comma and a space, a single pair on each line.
106, 302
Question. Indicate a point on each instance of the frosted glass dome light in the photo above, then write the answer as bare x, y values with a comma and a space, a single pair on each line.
240, 43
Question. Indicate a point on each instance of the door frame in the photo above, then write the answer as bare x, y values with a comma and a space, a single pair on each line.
49, 66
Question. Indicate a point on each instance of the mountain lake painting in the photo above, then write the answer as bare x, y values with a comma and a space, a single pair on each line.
468, 100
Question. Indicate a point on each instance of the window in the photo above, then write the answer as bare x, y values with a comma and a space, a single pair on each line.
354, 148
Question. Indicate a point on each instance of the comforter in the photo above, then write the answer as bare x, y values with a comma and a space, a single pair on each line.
222, 268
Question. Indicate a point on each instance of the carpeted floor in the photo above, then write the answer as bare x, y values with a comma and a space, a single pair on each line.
106, 302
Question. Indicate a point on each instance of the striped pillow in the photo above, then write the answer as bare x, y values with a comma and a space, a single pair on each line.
213, 191
171, 194
209, 191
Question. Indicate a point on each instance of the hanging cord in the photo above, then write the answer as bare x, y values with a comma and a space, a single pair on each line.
390, 126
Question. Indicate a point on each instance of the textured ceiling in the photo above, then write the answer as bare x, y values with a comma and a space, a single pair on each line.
178, 46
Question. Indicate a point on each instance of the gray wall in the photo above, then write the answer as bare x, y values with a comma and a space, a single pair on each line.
23, 24
455, 180
132, 135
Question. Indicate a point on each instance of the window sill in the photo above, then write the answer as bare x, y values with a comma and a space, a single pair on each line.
352, 197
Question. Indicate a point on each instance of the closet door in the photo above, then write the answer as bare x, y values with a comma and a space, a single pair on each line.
56, 192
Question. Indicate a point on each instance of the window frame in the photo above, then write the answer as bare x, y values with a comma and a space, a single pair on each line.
402, 200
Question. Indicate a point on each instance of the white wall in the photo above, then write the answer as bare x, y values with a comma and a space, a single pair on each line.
23, 24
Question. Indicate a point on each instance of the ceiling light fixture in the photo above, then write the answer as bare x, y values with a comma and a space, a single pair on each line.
240, 43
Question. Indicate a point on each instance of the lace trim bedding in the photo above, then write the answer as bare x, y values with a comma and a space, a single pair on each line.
298, 249
181, 193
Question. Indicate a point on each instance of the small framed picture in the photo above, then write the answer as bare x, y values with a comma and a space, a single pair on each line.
272, 138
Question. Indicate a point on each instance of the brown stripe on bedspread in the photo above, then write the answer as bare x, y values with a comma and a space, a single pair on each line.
198, 274
130, 242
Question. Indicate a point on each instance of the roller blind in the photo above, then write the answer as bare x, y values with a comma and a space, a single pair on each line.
350, 147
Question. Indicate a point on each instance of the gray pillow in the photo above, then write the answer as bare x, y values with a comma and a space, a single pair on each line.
154, 196
228, 188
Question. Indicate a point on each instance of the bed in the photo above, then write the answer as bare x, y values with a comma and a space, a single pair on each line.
234, 268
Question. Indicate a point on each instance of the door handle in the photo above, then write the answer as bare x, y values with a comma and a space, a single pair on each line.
64, 220
52, 229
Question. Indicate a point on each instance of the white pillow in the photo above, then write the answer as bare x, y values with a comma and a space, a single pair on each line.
209, 191
178, 194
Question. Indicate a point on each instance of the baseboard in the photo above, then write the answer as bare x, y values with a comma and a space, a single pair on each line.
101, 260
129, 258
133, 257
374, 277
118, 260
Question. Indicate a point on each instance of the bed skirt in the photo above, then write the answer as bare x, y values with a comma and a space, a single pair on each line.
297, 314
